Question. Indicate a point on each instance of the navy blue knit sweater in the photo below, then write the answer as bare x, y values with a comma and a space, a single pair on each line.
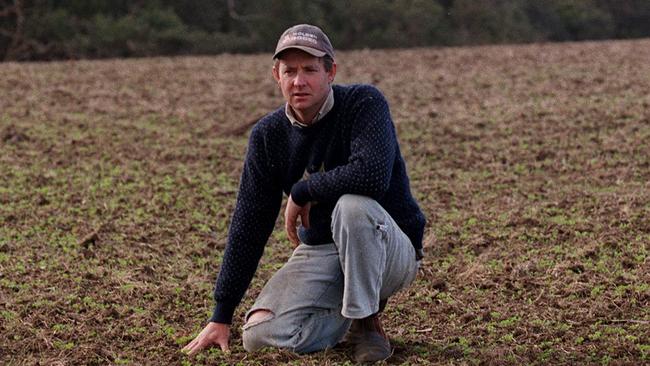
353, 149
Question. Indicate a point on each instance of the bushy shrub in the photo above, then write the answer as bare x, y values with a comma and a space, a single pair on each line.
565, 20
150, 32
492, 21
122, 28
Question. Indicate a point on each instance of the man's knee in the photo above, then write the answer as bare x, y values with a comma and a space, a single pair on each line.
255, 336
264, 329
250, 340
259, 316
350, 208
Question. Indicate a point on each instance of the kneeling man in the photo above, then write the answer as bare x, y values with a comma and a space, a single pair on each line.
333, 151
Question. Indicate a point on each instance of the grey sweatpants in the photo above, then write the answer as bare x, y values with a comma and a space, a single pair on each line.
313, 298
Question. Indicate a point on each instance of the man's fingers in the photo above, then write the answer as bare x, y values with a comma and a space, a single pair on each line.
192, 348
201, 344
213, 334
291, 233
291, 214
188, 348
304, 216
290, 217
224, 347
198, 347
195, 345
192, 351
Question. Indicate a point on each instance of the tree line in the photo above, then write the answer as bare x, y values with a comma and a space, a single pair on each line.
73, 29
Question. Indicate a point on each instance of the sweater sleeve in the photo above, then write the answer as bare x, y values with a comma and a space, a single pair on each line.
257, 207
372, 154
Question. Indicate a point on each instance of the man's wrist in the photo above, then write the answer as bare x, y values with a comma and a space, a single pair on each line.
300, 193
223, 313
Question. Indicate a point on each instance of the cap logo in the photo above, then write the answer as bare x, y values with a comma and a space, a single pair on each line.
300, 36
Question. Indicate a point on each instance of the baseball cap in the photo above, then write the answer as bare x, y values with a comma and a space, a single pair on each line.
306, 37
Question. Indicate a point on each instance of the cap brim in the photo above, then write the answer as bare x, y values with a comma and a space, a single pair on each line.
309, 50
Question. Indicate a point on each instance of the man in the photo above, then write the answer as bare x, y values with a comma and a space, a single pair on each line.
334, 152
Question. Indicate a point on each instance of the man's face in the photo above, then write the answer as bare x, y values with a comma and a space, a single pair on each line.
304, 82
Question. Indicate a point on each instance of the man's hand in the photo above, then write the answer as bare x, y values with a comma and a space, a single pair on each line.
213, 334
291, 219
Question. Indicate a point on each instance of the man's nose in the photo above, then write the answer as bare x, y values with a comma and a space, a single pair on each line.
299, 80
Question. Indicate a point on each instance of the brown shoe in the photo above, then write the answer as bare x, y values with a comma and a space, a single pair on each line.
368, 340
372, 347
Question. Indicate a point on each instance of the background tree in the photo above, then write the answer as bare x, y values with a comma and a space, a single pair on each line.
63, 29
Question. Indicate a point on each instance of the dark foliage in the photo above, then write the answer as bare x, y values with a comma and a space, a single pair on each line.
63, 29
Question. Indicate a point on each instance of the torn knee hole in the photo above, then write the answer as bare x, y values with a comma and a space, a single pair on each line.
258, 316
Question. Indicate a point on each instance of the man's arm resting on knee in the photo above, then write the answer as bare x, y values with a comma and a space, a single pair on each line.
212, 335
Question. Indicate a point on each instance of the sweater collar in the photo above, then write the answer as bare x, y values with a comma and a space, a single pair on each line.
324, 109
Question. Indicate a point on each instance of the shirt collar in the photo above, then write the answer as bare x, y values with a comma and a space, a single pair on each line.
324, 109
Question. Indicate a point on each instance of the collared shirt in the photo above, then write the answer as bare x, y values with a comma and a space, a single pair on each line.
324, 109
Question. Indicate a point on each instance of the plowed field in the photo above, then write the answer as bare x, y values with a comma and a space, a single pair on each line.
531, 162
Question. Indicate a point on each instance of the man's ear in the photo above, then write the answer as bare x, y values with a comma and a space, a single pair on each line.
332, 72
276, 73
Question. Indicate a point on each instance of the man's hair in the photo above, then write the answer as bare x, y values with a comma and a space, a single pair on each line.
327, 61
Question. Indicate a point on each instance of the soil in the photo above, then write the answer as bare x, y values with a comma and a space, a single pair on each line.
531, 163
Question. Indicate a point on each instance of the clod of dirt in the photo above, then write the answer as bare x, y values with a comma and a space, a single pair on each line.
479, 245
544, 154
468, 317
91, 276
12, 134
527, 222
42, 201
89, 239
439, 285
577, 268
112, 313
486, 316
453, 352
591, 254
148, 270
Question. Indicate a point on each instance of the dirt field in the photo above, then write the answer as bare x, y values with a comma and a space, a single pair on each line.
532, 164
